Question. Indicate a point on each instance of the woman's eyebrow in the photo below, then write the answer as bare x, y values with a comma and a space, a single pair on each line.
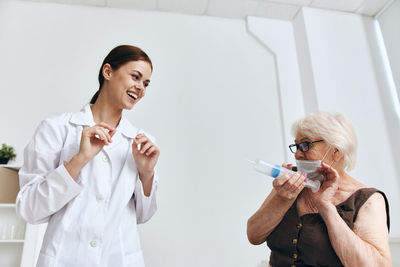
140, 74
304, 139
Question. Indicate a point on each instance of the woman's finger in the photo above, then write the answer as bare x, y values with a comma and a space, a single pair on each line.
135, 149
329, 172
107, 133
145, 147
151, 150
112, 132
104, 135
140, 135
142, 139
291, 184
281, 180
105, 125
300, 181
101, 135
287, 166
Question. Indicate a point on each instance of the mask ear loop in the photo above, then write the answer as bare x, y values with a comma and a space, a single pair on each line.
333, 160
326, 153
330, 165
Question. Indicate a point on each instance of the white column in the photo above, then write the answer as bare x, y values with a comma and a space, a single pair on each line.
277, 36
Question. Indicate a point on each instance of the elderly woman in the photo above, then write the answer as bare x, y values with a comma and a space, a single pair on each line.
343, 224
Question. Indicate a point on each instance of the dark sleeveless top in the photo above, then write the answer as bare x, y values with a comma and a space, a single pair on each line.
304, 241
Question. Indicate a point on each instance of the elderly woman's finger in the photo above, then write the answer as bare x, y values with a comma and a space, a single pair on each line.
328, 171
300, 181
292, 184
281, 180
287, 166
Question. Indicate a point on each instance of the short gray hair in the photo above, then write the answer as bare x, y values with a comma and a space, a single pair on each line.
335, 129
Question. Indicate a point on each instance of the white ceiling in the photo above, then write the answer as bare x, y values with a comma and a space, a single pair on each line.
280, 9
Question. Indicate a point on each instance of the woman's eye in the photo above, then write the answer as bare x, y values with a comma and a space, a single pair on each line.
135, 77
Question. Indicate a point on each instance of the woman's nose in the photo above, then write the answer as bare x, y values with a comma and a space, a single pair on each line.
299, 154
139, 86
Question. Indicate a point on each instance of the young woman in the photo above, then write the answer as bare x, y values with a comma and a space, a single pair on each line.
91, 175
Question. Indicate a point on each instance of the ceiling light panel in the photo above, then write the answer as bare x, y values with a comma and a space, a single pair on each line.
197, 7
232, 8
140, 4
290, 2
342, 5
277, 11
81, 2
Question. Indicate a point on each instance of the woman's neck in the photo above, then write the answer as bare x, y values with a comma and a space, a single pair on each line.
104, 111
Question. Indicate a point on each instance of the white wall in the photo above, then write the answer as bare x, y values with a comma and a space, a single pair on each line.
212, 102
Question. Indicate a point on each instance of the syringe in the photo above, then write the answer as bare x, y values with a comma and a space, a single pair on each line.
275, 170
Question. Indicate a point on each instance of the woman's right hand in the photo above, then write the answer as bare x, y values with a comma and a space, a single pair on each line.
94, 139
288, 185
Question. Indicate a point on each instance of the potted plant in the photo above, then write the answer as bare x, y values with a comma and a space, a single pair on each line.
6, 154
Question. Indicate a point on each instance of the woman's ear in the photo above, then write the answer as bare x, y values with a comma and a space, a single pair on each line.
107, 71
337, 155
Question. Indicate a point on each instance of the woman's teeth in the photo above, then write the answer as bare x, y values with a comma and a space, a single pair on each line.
133, 96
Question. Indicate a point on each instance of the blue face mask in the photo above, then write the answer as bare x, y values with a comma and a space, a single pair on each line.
310, 168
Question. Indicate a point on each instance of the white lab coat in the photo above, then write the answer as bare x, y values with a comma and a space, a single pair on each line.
91, 221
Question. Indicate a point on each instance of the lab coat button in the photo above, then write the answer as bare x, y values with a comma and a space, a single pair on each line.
94, 243
105, 159
100, 197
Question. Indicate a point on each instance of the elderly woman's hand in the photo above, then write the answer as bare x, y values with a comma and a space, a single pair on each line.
289, 186
329, 186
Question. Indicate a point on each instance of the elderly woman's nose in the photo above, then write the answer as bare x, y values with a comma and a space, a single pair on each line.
298, 154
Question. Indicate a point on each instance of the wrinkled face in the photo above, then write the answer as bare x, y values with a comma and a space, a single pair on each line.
315, 152
129, 83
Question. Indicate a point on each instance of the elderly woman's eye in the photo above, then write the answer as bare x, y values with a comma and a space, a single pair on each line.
135, 77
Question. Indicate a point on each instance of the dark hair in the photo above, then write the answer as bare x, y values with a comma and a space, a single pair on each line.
118, 57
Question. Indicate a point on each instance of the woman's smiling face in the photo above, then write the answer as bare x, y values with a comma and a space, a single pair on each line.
129, 82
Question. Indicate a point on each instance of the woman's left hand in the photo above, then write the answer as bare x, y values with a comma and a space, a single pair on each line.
328, 188
146, 157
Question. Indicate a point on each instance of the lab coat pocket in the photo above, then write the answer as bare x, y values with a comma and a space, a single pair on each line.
45, 260
134, 259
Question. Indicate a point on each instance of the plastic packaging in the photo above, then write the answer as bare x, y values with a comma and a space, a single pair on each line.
275, 170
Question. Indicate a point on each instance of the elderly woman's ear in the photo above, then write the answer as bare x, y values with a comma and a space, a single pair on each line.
337, 155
